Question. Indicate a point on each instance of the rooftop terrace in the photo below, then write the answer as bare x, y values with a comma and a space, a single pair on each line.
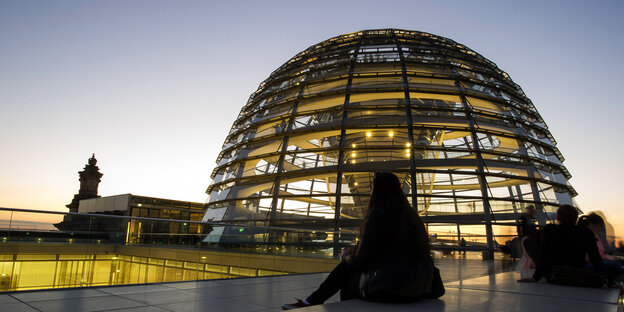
471, 285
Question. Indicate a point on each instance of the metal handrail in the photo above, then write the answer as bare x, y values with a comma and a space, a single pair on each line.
212, 223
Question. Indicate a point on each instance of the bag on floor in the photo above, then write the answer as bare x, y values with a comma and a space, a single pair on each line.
526, 267
396, 283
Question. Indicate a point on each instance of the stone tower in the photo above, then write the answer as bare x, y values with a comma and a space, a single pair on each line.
90, 178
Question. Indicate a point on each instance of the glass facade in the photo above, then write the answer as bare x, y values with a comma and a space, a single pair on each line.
468, 145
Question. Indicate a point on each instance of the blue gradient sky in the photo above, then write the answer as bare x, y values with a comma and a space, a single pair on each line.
152, 87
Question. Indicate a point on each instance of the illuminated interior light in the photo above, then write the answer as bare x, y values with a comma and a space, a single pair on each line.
356, 184
353, 145
408, 144
369, 134
353, 161
353, 154
391, 134
407, 150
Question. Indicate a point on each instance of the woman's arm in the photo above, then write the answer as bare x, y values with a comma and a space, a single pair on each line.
592, 250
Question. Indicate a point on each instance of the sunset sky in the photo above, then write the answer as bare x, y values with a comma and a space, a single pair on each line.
152, 87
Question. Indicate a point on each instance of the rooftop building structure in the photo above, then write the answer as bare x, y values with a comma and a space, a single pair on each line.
149, 210
469, 146
133, 231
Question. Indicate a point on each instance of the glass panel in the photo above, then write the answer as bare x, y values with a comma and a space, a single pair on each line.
358, 139
336, 85
413, 68
364, 97
278, 85
429, 99
386, 68
547, 192
377, 117
265, 129
499, 206
326, 119
314, 104
341, 67
354, 206
310, 160
317, 139
310, 206
422, 83
377, 82
363, 57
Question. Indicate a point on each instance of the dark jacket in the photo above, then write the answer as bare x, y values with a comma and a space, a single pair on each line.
566, 245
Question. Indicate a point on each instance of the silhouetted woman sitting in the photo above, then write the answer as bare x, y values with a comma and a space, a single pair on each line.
391, 262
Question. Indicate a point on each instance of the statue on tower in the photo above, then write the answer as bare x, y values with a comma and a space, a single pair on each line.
90, 178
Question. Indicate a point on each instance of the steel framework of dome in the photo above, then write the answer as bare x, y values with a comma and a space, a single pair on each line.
468, 145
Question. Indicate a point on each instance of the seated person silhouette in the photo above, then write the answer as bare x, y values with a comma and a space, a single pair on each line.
391, 262
565, 244
612, 265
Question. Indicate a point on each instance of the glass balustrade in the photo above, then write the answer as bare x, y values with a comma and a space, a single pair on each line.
47, 249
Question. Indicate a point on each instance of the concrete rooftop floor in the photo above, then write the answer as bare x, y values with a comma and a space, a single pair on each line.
471, 285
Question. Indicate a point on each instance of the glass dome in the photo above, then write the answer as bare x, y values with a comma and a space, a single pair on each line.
468, 145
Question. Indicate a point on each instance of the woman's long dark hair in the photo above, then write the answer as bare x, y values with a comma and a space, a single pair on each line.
387, 195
